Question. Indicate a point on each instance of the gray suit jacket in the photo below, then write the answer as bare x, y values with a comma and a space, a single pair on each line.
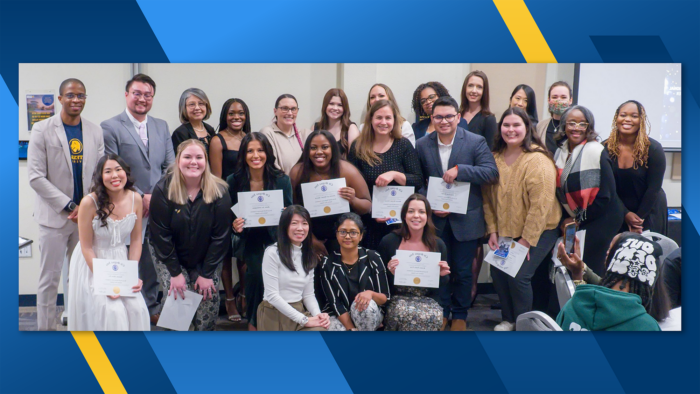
475, 164
147, 167
51, 171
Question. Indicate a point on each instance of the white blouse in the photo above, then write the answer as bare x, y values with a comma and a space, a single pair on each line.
283, 286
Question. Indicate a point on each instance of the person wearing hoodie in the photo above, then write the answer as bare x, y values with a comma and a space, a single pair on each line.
623, 299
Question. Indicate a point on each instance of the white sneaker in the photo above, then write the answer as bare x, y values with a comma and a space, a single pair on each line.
505, 326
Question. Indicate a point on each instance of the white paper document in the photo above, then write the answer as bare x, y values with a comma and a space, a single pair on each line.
509, 256
450, 197
236, 209
177, 314
261, 208
115, 277
420, 269
581, 235
387, 201
322, 198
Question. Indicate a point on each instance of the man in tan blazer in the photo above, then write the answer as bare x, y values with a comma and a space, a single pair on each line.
61, 158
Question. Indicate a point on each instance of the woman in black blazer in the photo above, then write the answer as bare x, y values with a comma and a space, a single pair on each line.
354, 281
194, 108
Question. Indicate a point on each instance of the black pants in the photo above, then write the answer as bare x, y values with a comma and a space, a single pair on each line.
457, 295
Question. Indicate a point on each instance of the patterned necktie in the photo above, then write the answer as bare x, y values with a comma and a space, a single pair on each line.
143, 134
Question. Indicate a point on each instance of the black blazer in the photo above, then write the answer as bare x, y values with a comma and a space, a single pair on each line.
335, 282
186, 132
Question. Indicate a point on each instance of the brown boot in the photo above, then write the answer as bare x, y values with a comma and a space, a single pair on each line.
154, 318
444, 324
459, 325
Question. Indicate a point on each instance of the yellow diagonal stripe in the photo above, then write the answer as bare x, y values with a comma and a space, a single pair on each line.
98, 362
525, 31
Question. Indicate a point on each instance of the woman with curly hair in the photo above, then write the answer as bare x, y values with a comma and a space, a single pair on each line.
638, 163
109, 216
423, 98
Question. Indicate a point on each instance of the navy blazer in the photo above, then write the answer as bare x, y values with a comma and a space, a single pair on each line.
475, 165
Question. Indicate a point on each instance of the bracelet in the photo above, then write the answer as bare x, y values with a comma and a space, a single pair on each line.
579, 282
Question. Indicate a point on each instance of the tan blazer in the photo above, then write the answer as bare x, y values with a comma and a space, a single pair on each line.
50, 169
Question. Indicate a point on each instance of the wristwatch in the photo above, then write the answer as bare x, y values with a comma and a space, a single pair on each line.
304, 321
71, 207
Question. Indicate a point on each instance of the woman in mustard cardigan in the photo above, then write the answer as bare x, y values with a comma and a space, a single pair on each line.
523, 206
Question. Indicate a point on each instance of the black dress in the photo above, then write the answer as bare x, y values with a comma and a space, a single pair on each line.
186, 132
229, 158
485, 126
401, 157
640, 189
343, 152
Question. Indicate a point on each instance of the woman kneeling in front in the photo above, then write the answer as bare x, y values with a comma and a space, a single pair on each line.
288, 278
354, 280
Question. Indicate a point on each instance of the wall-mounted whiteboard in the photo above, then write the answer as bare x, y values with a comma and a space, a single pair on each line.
603, 87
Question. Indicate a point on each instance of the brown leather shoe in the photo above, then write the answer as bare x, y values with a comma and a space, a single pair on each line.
154, 318
444, 324
459, 325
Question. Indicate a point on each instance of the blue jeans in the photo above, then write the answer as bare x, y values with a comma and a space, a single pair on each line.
456, 296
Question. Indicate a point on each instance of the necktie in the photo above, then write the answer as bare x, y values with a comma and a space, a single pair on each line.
143, 134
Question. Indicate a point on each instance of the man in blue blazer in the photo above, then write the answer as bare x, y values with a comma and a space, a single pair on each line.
144, 143
454, 154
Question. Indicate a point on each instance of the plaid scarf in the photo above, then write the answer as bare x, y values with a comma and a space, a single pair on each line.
578, 177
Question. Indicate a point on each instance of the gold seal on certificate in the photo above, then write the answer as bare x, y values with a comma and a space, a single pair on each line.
110, 276
322, 199
261, 208
387, 201
420, 269
452, 197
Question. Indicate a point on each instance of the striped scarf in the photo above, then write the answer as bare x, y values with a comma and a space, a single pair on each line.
578, 178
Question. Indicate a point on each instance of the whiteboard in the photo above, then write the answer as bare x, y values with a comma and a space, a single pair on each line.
603, 87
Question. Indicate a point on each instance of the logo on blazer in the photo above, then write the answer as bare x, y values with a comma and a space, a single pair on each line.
177, 211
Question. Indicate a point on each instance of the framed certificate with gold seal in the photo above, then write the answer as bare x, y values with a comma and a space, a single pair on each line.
261, 209
420, 269
450, 197
115, 277
387, 201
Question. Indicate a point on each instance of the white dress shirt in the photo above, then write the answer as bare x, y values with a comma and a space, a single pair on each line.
283, 286
445, 151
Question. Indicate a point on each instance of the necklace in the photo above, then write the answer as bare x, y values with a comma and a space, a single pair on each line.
349, 267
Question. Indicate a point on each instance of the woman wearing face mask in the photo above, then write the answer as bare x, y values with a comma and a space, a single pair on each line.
560, 100
379, 91
522, 206
287, 140
423, 98
639, 164
384, 158
289, 303
191, 230
255, 171
475, 109
524, 97
335, 118
194, 110
587, 197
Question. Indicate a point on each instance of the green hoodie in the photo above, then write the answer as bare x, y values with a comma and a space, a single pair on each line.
597, 308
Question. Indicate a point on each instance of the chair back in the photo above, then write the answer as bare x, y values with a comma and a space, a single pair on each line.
536, 321
564, 285
667, 244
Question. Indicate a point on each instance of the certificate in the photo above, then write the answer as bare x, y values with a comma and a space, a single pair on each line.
450, 197
387, 201
262, 208
419, 269
177, 314
322, 198
509, 256
115, 277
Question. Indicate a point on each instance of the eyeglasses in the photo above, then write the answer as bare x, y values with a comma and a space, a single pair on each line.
287, 109
71, 96
352, 234
139, 95
574, 125
430, 98
195, 105
448, 118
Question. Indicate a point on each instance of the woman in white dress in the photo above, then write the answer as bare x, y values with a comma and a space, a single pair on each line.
107, 216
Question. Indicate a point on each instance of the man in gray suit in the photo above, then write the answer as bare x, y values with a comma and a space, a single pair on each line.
454, 154
61, 158
144, 143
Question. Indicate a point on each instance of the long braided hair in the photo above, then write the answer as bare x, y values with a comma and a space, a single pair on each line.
640, 151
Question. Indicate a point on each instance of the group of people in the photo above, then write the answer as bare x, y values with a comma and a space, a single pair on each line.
95, 185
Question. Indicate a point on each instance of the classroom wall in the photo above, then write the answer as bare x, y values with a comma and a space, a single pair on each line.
259, 85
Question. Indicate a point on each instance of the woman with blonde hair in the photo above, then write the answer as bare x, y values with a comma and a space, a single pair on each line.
384, 158
380, 91
191, 222
335, 117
